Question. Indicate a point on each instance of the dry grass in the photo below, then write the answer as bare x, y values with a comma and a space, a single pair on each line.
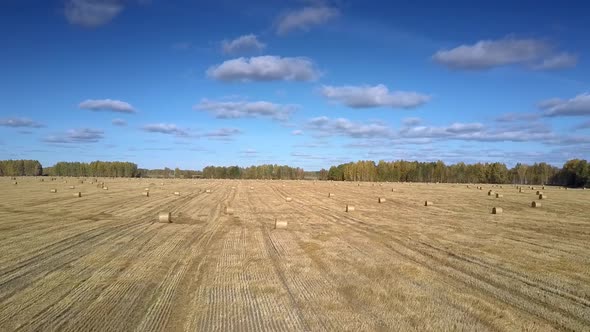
105, 262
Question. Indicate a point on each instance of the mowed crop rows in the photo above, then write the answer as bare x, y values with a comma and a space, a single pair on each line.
102, 261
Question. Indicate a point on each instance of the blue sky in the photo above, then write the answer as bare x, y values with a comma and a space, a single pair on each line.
306, 83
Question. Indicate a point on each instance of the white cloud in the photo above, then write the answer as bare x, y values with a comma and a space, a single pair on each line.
83, 135
165, 128
119, 122
410, 122
577, 106
19, 123
373, 96
559, 61
106, 105
223, 132
264, 68
486, 54
305, 18
242, 44
297, 132
514, 117
344, 127
244, 109
92, 13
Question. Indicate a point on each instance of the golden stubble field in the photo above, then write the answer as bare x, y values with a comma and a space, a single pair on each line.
103, 261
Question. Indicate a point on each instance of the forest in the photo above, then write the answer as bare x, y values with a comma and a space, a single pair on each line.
574, 173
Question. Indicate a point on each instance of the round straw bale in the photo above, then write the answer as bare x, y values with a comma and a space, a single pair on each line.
520, 190
428, 203
165, 217
105, 188
147, 189
497, 210
53, 190
208, 191
146, 193
490, 193
229, 210
349, 208
539, 192
288, 199
542, 196
72, 187
15, 182
499, 195
78, 194
536, 204
381, 200
176, 193
330, 195
251, 188
280, 224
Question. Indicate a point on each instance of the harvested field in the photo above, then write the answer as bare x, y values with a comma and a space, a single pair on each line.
103, 261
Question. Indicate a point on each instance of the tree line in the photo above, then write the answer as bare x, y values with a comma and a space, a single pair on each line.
20, 168
574, 173
95, 168
268, 172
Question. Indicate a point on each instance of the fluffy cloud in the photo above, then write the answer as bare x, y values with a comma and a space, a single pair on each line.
514, 117
19, 123
242, 44
92, 13
244, 109
111, 105
223, 133
344, 127
165, 128
373, 96
486, 54
577, 106
83, 135
119, 122
414, 133
297, 132
559, 61
264, 68
305, 18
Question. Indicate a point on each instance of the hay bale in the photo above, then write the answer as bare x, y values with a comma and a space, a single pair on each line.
105, 188
78, 194
146, 193
490, 193
542, 196
497, 210
499, 195
543, 187
229, 210
72, 187
208, 191
288, 199
53, 191
280, 224
147, 189
15, 183
176, 193
428, 203
519, 190
330, 195
536, 204
349, 208
381, 200
165, 217
251, 188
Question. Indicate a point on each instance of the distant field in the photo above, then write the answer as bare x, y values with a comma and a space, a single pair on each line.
103, 261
